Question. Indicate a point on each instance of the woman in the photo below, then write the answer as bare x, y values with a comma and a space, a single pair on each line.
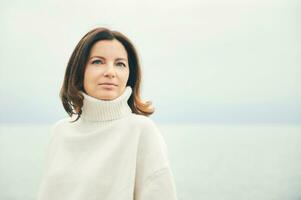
112, 150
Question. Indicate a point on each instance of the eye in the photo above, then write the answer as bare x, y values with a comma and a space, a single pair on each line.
96, 61
122, 64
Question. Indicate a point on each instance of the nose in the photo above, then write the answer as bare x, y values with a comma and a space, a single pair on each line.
110, 71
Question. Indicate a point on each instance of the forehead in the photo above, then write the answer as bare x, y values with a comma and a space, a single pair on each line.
108, 49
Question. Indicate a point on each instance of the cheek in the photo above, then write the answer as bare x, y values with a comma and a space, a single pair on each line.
125, 76
90, 74
89, 79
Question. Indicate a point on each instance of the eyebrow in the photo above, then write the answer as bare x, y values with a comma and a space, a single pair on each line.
104, 58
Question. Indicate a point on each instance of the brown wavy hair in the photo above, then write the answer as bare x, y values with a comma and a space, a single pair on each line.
70, 95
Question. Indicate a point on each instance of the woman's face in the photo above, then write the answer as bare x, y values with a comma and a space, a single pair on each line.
107, 63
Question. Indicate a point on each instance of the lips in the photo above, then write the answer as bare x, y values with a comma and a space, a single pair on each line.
108, 84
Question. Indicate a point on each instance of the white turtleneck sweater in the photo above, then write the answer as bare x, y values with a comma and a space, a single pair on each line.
110, 153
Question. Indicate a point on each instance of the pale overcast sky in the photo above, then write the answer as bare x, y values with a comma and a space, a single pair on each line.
234, 61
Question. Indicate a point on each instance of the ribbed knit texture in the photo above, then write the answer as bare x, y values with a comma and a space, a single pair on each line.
102, 110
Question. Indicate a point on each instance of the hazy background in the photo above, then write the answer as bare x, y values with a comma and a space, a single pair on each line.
224, 77
234, 61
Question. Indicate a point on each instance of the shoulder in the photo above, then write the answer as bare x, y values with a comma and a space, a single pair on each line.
59, 124
150, 132
152, 147
143, 120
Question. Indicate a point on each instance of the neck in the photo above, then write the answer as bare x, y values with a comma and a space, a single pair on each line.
104, 110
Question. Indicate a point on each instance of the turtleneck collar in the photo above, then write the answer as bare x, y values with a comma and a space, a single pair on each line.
103, 110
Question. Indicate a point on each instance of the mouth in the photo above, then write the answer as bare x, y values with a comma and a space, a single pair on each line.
108, 84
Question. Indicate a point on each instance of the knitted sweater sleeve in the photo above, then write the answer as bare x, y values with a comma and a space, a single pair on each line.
51, 145
49, 151
154, 177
